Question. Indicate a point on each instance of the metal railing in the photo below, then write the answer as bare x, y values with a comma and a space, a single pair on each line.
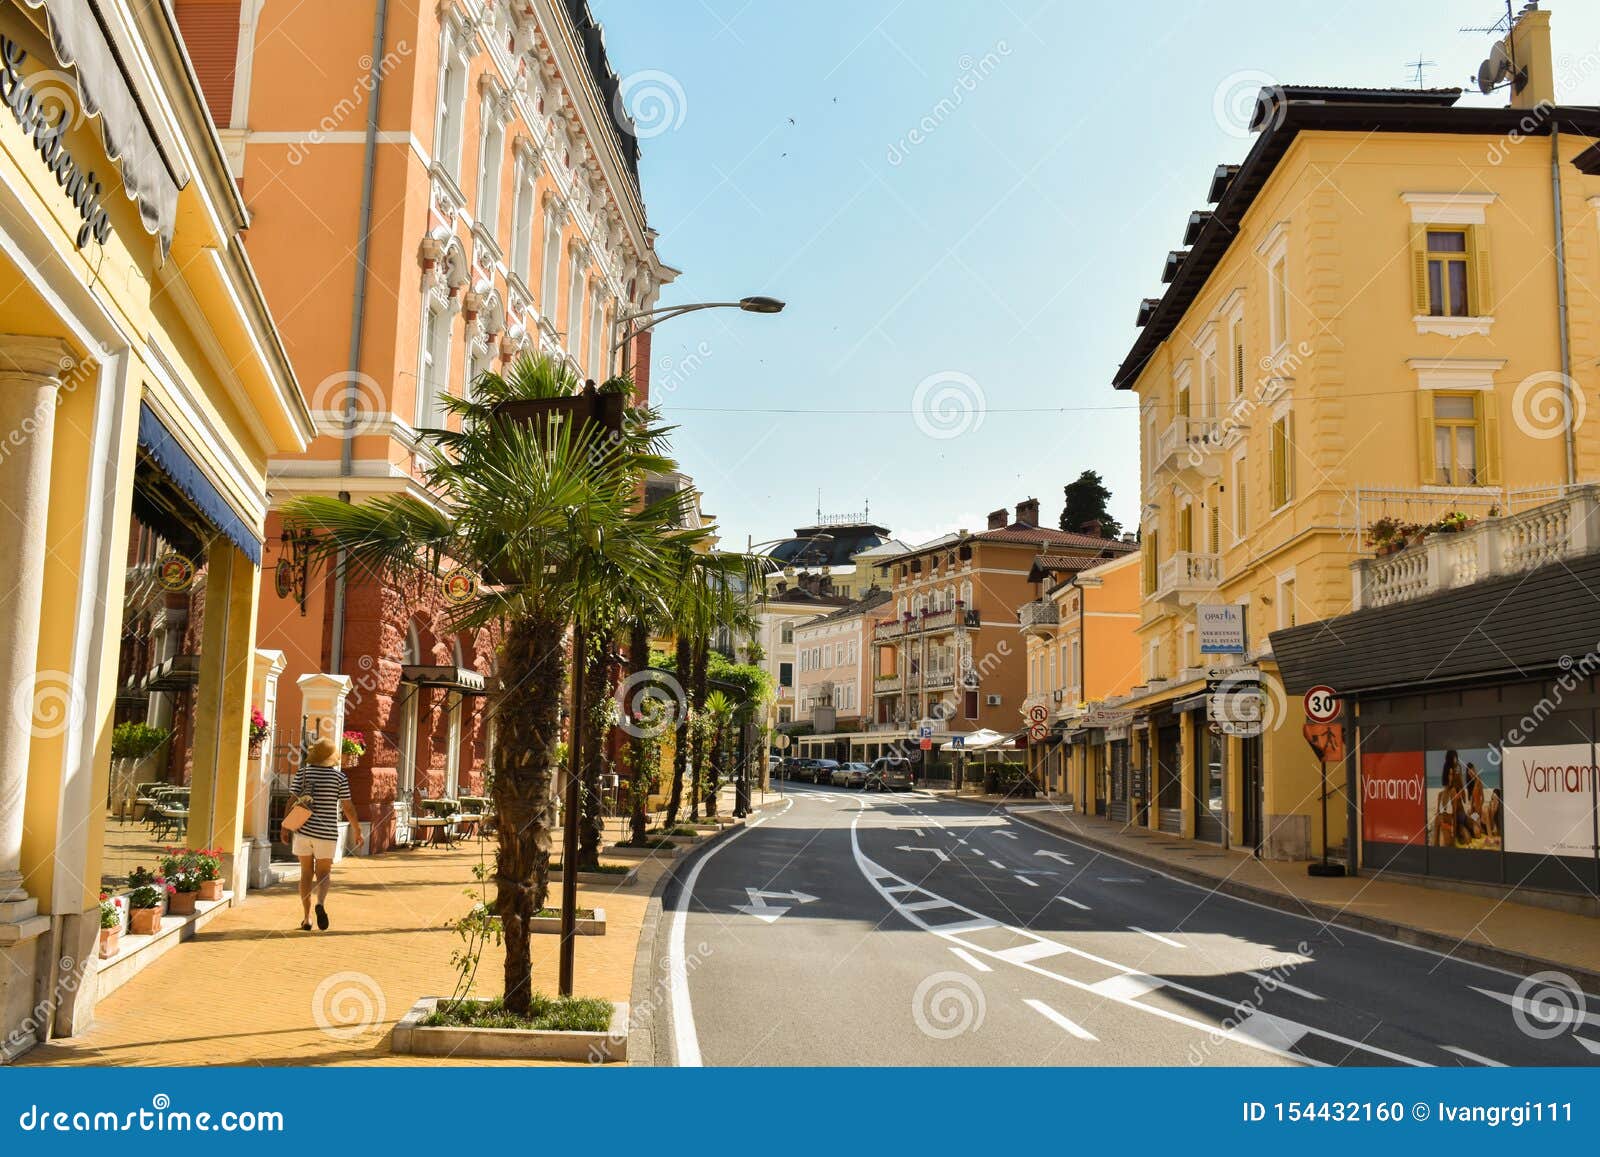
1039, 613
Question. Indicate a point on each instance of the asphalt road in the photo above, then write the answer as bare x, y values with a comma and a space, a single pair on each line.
849, 929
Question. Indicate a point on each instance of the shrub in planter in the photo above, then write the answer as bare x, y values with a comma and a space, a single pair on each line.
135, 740
149, 892
110, 926
443, 808
208, 868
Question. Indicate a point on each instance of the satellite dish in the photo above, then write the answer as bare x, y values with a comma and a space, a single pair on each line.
1493, 72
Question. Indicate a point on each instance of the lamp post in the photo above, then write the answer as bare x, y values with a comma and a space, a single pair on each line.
630, 328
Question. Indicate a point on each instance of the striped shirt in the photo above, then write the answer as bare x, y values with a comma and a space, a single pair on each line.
326, 786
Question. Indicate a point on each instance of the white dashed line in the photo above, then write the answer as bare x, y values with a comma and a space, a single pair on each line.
1027, 881
1464, 1054
1271, 982
1060, 1021
1167, 940
971, 960
1074, 903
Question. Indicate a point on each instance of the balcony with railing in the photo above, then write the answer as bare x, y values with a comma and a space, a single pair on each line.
1190, 447
1187, 577
886, 683
925, 622
1480, 549
1039, 617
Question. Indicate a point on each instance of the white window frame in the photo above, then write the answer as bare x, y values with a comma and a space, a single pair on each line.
1285, 603
491, 160
451, 94
1274, 252
438, 324
550, 274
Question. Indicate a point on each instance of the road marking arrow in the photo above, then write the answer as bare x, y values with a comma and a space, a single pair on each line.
1007, 835
935, 851
761, 910
1054, 856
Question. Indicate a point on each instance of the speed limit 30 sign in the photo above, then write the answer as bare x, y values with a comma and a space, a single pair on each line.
1322, 704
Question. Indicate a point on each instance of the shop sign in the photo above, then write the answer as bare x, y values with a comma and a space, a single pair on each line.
1392, 807
1550, 804
1221, 628
30, 108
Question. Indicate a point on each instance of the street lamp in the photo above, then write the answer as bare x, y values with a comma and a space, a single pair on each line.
629, 330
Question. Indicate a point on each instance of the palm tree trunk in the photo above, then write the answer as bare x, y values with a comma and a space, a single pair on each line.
639, 779
680, 734
697, 703
713, 781
596, 672
533, 670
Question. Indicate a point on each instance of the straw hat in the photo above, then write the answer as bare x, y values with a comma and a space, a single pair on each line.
324, 753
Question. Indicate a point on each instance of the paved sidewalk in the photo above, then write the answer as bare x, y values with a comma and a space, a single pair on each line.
252, 989
1489, 930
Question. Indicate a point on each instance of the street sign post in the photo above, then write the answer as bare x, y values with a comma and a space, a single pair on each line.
1326, 738
1038, 713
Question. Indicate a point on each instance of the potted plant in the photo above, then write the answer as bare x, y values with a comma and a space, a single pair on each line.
353, 746
131, 744
208, 868
183, 881
1454, 523
259, 728
149, 892
110, 926
1384, 536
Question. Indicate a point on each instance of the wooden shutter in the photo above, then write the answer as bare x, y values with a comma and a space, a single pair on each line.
1238, 359
1241, 508
1419, 270
1489, 472
1482, 304
1427, 469
1279, 458
1216, 528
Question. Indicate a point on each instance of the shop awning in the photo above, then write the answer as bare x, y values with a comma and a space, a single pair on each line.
174, 461
83, 40
461, 679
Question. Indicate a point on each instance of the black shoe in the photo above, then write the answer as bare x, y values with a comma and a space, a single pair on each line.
305, 926
322, 918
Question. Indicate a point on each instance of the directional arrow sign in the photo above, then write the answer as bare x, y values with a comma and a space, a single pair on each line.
1054, 856
761, 910
935, 851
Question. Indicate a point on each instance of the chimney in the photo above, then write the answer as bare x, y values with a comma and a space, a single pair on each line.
1093, 527
1530, 49
1028, 511
999, 519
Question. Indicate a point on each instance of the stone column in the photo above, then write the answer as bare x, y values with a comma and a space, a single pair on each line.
33, 701
30, 377
257, 872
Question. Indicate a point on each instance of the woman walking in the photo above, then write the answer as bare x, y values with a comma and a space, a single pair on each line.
321, 785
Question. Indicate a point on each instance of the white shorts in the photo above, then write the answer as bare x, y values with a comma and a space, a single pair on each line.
316, 847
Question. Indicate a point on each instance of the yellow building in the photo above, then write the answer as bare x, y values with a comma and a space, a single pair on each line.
1364, 325
143, 390
1083, 648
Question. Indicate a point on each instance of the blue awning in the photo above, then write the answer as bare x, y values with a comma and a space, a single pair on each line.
157, 441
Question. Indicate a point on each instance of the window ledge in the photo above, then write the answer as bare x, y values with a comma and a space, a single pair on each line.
1453, 326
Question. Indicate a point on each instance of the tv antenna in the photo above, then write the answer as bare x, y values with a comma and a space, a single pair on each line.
1500, 66
1418, 69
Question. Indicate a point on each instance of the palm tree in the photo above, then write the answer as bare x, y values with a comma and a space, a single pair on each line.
548, 519
720, 710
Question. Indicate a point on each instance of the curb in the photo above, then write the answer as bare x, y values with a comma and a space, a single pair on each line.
1454, 948
649, 961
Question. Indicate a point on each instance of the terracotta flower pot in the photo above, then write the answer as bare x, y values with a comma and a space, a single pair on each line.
181, 903
144, 921
255, 749
110, 938
210, 889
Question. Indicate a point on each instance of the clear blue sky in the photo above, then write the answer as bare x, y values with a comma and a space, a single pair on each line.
1003, 256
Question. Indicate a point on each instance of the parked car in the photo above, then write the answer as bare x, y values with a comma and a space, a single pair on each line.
849, 775
790, 767
888, 774
822, 770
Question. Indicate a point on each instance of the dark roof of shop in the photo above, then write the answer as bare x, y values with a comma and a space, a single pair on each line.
1518, 627
873, 599
1282, 113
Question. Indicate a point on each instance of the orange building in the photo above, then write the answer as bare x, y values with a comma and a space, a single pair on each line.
431, 196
